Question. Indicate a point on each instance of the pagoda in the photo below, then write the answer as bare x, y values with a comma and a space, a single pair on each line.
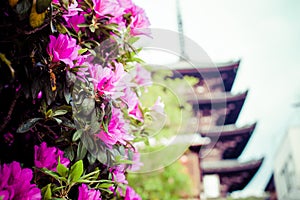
217, 110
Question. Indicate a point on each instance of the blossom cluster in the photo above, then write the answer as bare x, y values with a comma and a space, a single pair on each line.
63, 165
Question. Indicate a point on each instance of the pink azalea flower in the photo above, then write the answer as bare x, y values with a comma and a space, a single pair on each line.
117, 129
131, 194
118, 175
131, 100
63, 49
73, 10
158, 106
108, 81
143, 77
136, 165
48, 157
40, 95
15, 183
139, 21
74, 21
126, 4
105, 7
88, 194
55, 2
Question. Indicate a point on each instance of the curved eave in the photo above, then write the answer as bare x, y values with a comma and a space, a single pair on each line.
213, 99
206, 68
220, 103
226, 71
228, 134
230, 166
270, 187
232, 173
231, 131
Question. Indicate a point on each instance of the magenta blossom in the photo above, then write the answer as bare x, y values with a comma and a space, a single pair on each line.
136, 165
131, 194
88, 194
74, 21
142, 77
118, 174
126, 4
63, 48
107, 7
15, 183
55, 2
117, 129
132, 102
108, 80
139, 21
158, 106
40, 95
73, 10
48, 157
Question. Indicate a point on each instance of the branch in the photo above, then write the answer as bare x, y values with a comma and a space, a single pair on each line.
47, 127
36, 29
10, 111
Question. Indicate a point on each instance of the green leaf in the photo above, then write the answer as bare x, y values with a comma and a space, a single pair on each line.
92, 28
69, 153
124, 161
105, 185
61, 169
52, 174
81, 151
8, 63
81, 51
49, 113
59, 121
133, 40
42, 5
76, 171
67, 94
77, 135
93, 175
91, 159
130, 154
26, 126
68, 123
82, 25
23, 7
59, 112
46, 192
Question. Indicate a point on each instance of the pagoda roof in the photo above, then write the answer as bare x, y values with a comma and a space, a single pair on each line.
230, 140
234, 174
217, 98
220, 101
270, 187
227, 71
228, 130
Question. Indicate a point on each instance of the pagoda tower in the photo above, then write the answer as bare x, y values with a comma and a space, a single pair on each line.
217, 110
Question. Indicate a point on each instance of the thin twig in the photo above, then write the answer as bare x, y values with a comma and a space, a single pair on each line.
47, 127
36, 29
10, 111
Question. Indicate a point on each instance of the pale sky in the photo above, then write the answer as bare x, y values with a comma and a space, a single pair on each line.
265, 34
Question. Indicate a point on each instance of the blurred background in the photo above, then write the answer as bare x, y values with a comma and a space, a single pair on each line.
264, 37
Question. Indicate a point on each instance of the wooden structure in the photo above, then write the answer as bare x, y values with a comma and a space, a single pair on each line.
218, 110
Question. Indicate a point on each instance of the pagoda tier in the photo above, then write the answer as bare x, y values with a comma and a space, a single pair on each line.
271, 189
222, 108
233, 175
215, 77
228, 142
